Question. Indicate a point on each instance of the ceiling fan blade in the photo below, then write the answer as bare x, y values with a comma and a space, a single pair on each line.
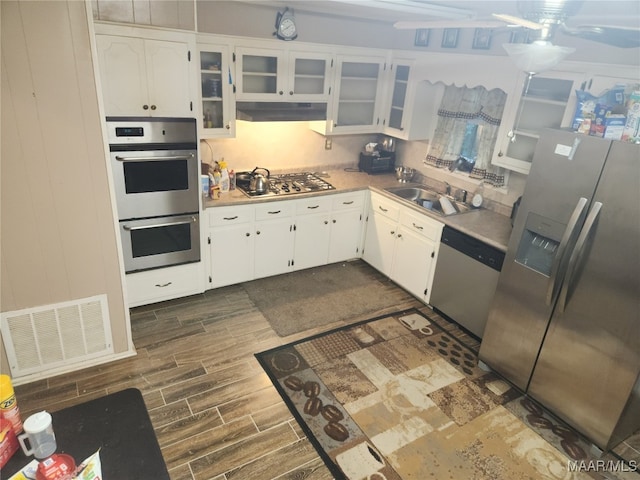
412, 25
518, 21
622, 37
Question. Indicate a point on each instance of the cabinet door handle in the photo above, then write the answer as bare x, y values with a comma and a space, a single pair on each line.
258, 232
393, 232
162, 285
334, 220
280, 92
313, 207
145, 107
290, 92
347, 203
230, 218
399, 235
247, 234
417, 226
153, 107
275, 213
326, 222
383, 209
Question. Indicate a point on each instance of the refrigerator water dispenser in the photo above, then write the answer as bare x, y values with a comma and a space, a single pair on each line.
539, 243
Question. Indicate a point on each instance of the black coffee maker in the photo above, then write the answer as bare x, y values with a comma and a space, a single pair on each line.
382, 159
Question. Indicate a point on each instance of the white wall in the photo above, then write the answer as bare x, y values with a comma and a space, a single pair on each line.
281, 146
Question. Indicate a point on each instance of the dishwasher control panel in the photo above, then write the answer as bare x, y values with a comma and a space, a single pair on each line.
474, 248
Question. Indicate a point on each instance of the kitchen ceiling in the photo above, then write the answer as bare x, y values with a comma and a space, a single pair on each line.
611, 12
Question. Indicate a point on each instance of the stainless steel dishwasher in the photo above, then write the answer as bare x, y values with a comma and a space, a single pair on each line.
465, 279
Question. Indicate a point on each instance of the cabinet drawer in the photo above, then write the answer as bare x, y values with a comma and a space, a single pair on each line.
219, 216
348, 200
268, 211
385, 206
164, 283
421, 224
313, 205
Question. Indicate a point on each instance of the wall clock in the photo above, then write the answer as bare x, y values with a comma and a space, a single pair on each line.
286, 25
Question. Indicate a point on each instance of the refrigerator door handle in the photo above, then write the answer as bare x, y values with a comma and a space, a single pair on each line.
567, 237
577, 254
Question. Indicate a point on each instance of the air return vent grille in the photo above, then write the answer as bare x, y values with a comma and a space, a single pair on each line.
53, 336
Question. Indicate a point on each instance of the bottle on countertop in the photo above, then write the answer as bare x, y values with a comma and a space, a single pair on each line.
478, 197
224, 177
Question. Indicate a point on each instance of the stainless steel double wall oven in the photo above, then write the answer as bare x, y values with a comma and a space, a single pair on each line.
156, 178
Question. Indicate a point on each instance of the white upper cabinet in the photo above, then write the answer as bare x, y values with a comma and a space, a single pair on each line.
309, 75
548, 100
145, 77
544, 101
282, 75
357, 99
217, 116
412, 104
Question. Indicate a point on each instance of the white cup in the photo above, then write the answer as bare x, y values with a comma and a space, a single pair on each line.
417, 322
39, 431
361, 462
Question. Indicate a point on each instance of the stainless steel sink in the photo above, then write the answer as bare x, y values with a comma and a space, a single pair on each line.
428, 199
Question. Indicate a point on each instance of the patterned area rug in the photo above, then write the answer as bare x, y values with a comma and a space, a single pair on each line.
400, 397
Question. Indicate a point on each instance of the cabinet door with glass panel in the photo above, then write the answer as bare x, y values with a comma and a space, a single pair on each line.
282, 75
412, 104
308, 76
259, 74
356, 102
217, 117
546, 100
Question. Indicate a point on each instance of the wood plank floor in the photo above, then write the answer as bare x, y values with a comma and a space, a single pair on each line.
215, 412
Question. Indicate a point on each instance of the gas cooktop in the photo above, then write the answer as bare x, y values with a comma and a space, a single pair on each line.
289, 184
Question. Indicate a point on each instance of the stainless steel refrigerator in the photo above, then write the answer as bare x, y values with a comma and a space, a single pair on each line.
564, 325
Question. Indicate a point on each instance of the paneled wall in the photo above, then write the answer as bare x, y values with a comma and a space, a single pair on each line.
58, 230
164, 13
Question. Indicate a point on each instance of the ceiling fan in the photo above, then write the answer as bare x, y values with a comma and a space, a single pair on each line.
543, 18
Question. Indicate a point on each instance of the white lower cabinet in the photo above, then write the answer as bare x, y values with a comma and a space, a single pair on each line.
347, 221
273, 246
380, 237
231, 239
328, 229
313, 232
402, 244
416, 249
264, 239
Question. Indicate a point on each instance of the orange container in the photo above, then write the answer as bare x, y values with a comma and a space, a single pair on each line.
8, 441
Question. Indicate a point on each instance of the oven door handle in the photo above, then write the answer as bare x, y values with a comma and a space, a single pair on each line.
129, 228
154, 159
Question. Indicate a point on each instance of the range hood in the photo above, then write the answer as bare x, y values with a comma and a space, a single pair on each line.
280, 111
